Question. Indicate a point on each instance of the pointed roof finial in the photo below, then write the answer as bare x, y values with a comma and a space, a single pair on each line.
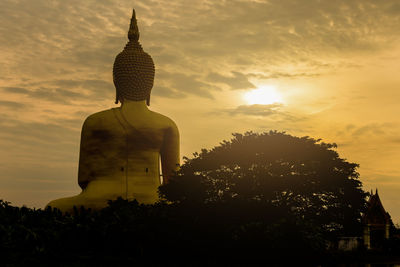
133, 33
376, 192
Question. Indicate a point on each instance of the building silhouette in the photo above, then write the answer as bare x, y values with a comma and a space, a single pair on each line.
376, 223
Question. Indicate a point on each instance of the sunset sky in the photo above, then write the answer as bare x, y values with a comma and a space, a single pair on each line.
328, 69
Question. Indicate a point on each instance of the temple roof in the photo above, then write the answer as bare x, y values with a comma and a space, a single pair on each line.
376, 213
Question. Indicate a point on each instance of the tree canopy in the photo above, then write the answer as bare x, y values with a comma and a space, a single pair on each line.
300, 174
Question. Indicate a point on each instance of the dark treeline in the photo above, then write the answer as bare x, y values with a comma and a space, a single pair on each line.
258, 198
129, 232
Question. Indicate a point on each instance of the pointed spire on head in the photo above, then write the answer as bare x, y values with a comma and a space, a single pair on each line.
376, 191
133, 33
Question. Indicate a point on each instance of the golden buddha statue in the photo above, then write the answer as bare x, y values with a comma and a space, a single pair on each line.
121, 147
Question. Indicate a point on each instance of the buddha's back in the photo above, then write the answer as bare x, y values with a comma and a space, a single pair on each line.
121, 150
120, 156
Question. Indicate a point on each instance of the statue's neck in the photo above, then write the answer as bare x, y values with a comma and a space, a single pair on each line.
134, 106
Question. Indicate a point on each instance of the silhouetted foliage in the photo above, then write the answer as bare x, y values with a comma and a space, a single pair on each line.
251, 199
303, 176
128, 232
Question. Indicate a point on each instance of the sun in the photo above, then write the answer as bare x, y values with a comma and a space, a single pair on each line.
263, 95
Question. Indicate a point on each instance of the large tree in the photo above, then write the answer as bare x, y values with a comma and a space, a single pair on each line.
302, 175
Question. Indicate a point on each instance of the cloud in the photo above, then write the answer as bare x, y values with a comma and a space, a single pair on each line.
37, 143
36, 133
371, 128
273, 111
255, 110
96, 88
171, 84
15, 90
11, 104
64, 91
236, 81
204, 41
281, 74
56, 95
167, 92
285, 29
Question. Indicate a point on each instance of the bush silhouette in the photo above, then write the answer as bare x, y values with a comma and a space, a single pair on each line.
250, 199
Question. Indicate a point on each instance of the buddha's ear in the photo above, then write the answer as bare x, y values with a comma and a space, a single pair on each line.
116, 90
116, 97
148, 100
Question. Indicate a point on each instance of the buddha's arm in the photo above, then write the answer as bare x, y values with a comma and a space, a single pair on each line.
170, 152
83, 169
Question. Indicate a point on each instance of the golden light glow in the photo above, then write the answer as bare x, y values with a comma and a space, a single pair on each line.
263, 95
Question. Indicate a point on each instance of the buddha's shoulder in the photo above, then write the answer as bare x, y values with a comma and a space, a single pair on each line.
164, 120
100, 117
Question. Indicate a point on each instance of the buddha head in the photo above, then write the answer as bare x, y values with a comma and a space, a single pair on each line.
133, 71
